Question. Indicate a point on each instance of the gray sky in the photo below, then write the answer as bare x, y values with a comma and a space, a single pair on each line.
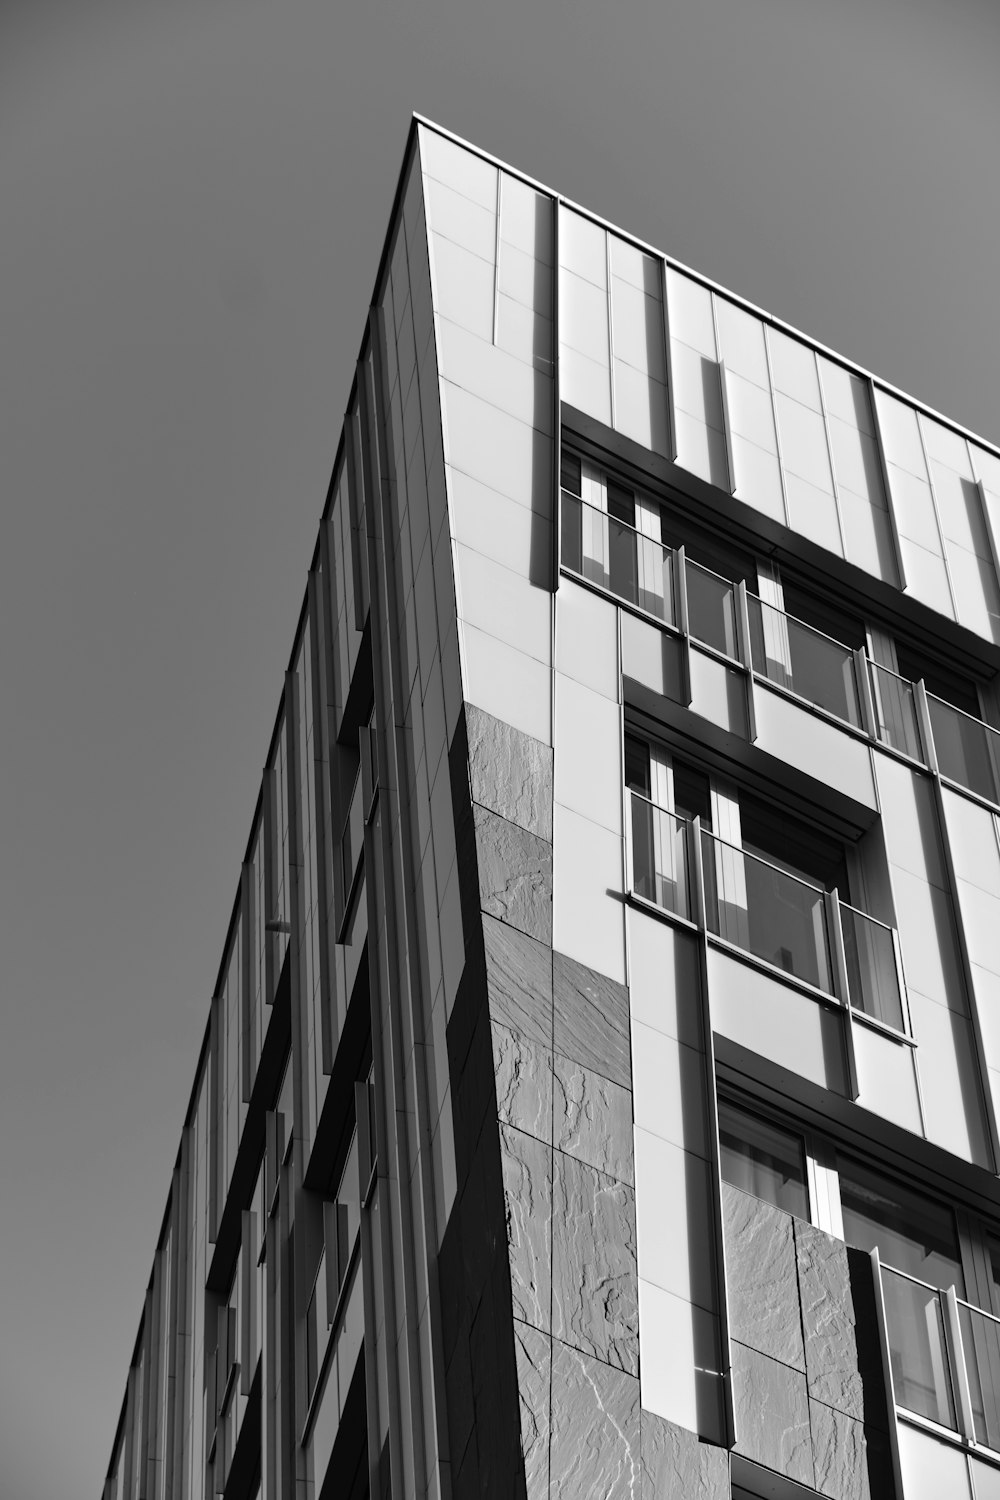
193, 202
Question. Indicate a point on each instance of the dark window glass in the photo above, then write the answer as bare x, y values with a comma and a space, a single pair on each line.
637, 764
692, 798
621, 503
913, 1233
954, 689
803, 605
762, 1159
571, 473
993, 1250
802, 851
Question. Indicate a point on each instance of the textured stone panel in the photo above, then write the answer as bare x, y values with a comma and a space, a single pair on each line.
828, 1321
595, 1429
595, 1287
839, 1454
761, 1277
515, 875
519, 977
593, 1119
772, 1414
591, 1019
527, 1187
511, 773
523, 1072
677, 1465
534, 1361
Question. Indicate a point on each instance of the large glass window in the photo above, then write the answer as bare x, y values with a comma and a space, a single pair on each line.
763, 1159
918, 1246
913, 1233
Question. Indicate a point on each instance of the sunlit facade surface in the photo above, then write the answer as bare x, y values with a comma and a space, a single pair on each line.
600, 1091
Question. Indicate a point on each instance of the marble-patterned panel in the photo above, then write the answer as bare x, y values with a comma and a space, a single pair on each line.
761, 1277
515, 874
828, 1321
594, 1452
595, 1289
519, 977
534, 1360
523, 1071
772, 1414
591, 1019
839, 1454
527, 1183
511, 772
677, 1465
592, 1119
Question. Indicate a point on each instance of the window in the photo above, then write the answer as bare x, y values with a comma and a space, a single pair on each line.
665, 795
613, 537
762, 1159
918, 1248
341, 1224
944, 683
913, 1233
768, 879
944, 1350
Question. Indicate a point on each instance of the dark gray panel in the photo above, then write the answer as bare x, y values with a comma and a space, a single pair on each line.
519, 977
595, 1429
458, 1396
511, 772
761, 1277
523, 1071
534, 1360
772, 1414
677, 1465
839, 1454
515, 874
527, 1184
591, 1019
592, 1119
595, 1288
828, 1321
495, 1398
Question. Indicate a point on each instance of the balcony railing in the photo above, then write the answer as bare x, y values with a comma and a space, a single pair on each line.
945, 1357
660, 856
787, 652
768, 912
796, 656
871, 953
711, 607
968, 751
981, 1349
895, 709
615, 556
917, 1324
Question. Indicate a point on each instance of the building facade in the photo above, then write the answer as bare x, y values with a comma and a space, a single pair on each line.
601, 1086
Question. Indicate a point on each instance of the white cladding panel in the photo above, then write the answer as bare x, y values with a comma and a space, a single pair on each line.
497, 417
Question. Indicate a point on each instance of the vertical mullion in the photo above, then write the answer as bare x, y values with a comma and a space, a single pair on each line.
556, 411
777, 429
829, 453
611, 327
668, 366
496, 257
884, 467
937, 517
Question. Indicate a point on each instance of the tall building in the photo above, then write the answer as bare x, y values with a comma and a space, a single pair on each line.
600, 1092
